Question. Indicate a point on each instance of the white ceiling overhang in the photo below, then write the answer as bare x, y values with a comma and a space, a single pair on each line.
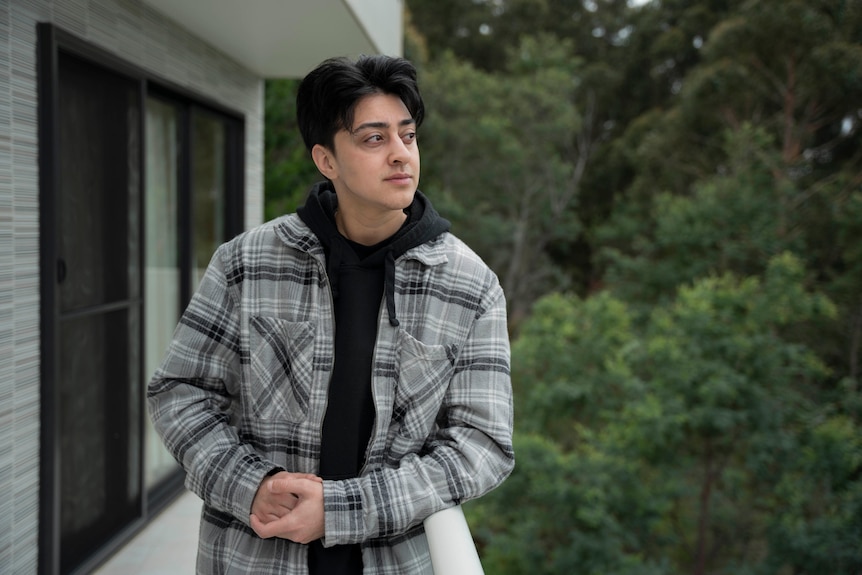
287, 38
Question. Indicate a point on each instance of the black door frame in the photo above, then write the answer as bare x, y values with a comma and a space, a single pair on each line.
51, 42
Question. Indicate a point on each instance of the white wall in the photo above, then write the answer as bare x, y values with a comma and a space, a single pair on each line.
134, 32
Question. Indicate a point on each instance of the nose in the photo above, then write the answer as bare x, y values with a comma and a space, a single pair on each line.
399, 153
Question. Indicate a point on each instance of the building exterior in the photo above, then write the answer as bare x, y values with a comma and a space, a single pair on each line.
131, 144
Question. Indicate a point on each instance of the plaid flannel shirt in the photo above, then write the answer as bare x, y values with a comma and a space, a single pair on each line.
243, 389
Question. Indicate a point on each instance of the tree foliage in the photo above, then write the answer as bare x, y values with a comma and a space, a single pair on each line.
691, 442
288, 169
524, 118
671, 194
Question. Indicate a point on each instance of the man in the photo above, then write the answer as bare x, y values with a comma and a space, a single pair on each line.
343, 372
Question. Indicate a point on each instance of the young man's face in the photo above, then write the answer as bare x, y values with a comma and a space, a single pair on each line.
375, 165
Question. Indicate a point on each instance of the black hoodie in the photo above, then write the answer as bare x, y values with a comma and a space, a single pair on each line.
359, 276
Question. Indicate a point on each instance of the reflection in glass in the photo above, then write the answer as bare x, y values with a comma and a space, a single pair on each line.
209, 139
162, 268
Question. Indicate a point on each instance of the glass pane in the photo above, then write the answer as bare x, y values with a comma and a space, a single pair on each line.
99, 486
83, 356
99, 147
98, 368
162, 269
209, 153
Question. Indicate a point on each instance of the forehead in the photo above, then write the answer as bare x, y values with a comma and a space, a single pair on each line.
379, 108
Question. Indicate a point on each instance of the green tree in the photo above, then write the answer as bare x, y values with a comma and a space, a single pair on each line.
726, 388
571, 367
504, 155
578, 511
728, 223
691, 169
818, 526
772, 110
288, 169
576, 502
657, 448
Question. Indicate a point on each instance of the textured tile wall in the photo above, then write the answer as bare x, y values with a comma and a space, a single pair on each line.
136, 33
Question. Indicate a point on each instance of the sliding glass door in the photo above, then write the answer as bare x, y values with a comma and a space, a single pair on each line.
140, 182
99, 307
189, 177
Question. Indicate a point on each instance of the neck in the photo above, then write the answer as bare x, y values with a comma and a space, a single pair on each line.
370, 231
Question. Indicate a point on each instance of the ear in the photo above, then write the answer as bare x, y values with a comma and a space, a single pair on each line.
324, 160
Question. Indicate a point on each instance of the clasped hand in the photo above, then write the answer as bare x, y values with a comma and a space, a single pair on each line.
289, 506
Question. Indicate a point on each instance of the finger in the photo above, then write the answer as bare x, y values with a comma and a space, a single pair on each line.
309, 476
276, 484
265, 518
257, 526
275, 504
306, 488
286, 485
284, 496
266, 530
286, 475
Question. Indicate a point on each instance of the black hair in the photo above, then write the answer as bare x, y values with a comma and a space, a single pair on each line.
327, 96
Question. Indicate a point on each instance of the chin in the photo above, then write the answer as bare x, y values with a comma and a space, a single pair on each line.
408, 201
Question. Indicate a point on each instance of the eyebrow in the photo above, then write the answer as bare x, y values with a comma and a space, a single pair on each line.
377, 125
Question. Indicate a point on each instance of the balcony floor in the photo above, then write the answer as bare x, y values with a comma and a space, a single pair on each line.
166, 546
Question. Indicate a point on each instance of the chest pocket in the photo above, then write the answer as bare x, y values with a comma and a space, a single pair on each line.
423, 378
282, 354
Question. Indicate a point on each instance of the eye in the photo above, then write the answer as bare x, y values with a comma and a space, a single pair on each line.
409, 137
374, 138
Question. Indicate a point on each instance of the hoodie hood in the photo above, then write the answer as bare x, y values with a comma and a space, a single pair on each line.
422, 225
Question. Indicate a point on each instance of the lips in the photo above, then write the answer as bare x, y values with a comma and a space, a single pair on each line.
399, 178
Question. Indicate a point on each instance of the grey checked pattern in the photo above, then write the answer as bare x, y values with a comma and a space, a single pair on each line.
243, 390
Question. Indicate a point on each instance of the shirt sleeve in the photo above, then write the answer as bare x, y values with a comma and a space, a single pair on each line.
190, 400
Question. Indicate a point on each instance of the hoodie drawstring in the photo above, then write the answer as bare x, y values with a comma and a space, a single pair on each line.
389, 286
333, 262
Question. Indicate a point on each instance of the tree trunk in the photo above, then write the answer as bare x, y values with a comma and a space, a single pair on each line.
704, 515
